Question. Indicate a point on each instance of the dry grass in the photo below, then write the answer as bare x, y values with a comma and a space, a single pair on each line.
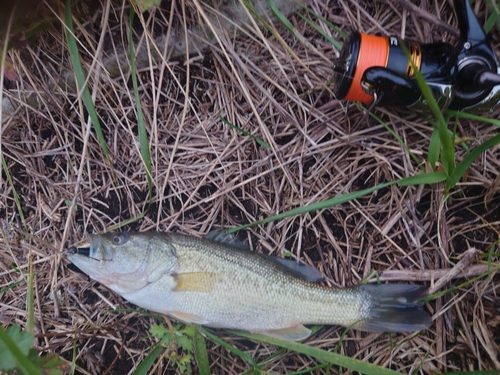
207, 175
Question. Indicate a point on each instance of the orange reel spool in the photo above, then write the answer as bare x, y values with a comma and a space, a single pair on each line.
373, 51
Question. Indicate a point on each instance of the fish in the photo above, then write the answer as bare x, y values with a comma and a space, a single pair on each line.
217, 281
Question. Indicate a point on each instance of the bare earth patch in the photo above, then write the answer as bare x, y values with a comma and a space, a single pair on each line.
207, 175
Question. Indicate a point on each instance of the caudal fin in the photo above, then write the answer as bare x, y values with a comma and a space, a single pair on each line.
395, 308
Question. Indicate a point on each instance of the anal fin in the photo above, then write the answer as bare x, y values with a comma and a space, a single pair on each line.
294, 333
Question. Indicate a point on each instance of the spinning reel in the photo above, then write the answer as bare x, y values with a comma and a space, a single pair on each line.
376, 70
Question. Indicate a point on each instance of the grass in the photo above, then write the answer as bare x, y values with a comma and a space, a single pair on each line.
359, 197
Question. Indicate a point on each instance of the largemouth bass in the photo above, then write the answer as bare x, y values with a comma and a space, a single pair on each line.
217, 283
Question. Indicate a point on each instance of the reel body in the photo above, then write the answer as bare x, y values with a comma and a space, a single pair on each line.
376, 70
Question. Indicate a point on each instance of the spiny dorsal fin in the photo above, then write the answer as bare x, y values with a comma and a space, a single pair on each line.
219, 235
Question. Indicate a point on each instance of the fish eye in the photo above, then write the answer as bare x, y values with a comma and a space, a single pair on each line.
119, 239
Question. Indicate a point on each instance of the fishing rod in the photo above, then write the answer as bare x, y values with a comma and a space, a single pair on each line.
380, 71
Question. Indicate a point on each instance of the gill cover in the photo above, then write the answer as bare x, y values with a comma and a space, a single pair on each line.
115, 260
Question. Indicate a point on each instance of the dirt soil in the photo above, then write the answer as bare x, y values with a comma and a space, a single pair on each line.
207, 175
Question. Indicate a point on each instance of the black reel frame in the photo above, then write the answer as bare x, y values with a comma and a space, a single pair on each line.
462, 77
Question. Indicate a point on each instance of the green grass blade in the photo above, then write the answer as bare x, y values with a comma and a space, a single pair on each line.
201, 354
322, 355
448, 151
465, 284
434, 148
30, 324
256, 139
22, 361
244, 356
14, 191
147, 362
480, 372
13, 285
315, 206
493, 18
320, 31
397, 137
326, 22
471, 116
423, 178
280, 16
121, 224
81, 80
141, 125
490, 255
465, 164
311, 370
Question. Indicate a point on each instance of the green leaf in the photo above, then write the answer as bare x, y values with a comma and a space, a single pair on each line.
189, 330
184, 342
160, 331
69, 202
14, 348
50, 364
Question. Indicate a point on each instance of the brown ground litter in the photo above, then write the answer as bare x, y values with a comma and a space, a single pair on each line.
207, 175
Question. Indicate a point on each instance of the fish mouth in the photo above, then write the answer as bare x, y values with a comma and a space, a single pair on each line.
96, 251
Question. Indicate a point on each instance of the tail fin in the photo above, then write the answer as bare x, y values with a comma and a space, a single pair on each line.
395, 308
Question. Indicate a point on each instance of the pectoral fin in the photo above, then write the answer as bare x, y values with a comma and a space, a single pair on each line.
294, 333
195, 282
187, 317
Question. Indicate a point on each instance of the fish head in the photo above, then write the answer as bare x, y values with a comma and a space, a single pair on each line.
119, 260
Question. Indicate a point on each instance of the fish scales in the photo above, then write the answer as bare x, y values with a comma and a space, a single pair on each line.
219, 285
252, 287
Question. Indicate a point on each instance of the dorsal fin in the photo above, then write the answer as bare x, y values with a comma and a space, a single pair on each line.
302, 271
220, 235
